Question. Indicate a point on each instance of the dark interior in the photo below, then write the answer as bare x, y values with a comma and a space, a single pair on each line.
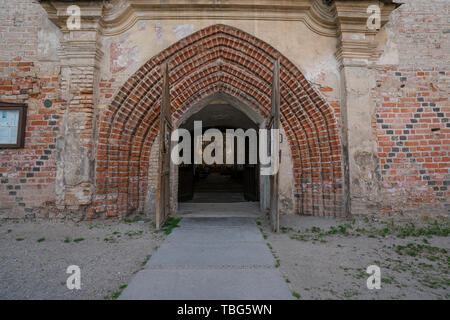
224, 183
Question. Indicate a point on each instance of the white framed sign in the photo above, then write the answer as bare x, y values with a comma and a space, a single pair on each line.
12, 125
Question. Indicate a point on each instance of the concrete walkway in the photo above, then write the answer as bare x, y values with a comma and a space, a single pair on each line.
217, 210
211, 258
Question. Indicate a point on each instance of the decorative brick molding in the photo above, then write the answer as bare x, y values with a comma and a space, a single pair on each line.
217, 59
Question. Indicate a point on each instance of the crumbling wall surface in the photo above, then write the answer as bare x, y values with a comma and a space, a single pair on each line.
411, 90
29, 73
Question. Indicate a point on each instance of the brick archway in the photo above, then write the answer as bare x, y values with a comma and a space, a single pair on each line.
217, 59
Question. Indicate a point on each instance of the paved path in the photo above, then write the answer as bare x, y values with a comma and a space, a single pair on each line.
211, 258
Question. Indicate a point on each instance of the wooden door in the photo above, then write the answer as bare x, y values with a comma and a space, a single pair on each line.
165, 131
274, 124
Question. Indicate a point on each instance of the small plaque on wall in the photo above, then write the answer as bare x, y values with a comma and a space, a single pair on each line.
12, 125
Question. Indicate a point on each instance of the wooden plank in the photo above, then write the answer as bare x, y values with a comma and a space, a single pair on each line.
163, 190
275, 124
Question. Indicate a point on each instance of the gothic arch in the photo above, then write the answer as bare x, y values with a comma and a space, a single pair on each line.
227, 60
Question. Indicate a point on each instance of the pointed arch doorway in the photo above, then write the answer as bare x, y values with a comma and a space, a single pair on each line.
218, 59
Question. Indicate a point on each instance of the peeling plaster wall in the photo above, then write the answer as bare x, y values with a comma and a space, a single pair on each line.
286, 179
311, 53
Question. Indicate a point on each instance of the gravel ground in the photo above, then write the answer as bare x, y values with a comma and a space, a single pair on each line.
107, 252
321, 258
326, 258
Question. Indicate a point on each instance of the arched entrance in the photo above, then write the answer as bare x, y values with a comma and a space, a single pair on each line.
221, 183
218, 59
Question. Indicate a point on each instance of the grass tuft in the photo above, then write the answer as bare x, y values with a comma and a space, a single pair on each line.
170, 224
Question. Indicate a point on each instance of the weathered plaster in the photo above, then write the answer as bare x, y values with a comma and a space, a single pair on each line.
286, 180
313, 54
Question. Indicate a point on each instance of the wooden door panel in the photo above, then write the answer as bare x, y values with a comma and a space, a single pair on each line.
275, 124
163, 191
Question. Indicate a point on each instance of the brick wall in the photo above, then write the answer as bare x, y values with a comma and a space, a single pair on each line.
413, 110
27, 176
411, 119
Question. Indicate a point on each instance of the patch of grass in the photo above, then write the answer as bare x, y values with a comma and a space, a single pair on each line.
20, 239
334, 293
170, 224
277, 264
116, 294
388, 280
40, 240
9, 230
413, 250
343, 230
424, 265
333, 230
361, 274
315, 229
134, 233
299, 237
110, 239
435, 228
349, 293
434, 282
296, 295
145, 260
286, 229
78, 240
67, 240
130, 220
